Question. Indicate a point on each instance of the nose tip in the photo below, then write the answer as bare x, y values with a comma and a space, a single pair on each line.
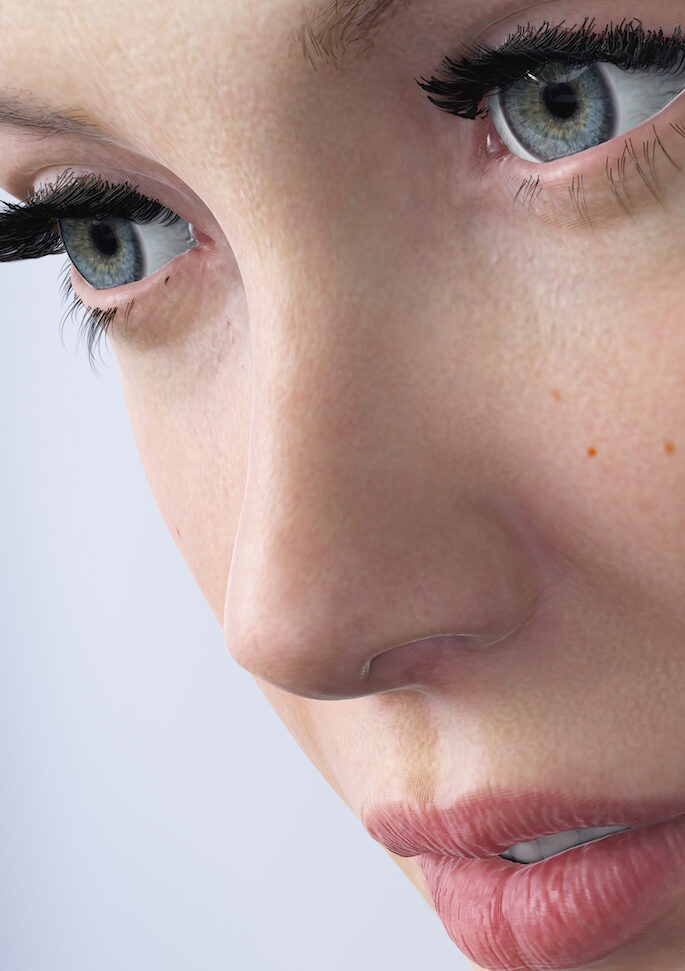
326, 576
328, 665
327, 633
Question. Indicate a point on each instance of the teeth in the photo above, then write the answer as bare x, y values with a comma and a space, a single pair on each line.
546, 846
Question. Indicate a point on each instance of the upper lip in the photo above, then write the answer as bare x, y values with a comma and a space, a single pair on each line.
487, 823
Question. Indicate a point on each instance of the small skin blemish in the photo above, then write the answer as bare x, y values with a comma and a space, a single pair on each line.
166, 281
592, 452
556, 395
669, 448
178, 532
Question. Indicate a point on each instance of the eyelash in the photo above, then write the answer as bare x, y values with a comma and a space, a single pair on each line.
482, 70
29, 231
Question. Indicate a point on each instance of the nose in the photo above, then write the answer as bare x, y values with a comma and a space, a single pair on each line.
364, 537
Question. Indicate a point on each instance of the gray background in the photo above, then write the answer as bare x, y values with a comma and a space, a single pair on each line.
155, 813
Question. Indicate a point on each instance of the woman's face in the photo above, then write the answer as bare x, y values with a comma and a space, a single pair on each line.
401, 389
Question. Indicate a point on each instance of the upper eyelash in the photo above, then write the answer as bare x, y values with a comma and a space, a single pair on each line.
29, 231
481, 70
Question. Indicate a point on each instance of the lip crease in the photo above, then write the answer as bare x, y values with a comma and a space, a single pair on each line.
486, 823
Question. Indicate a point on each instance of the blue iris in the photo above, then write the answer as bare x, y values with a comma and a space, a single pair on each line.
107, 253
560, 111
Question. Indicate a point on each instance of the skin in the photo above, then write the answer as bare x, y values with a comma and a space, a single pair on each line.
386, 403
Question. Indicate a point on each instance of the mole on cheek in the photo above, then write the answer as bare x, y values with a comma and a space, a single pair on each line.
592, 451
669, 448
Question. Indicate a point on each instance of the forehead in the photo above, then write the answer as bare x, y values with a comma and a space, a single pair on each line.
165, 79
173, 56
159, 60
193, 87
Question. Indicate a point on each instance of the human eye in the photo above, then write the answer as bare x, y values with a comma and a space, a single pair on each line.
112, 234
554, 92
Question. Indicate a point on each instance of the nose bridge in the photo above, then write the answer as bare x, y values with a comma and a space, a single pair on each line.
354, 535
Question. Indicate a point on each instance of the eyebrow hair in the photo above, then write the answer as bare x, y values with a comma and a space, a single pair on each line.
335, 26
43, 121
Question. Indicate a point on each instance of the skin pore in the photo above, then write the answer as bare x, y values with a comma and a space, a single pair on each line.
387, 398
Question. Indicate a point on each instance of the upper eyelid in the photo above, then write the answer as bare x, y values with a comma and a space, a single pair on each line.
54, 193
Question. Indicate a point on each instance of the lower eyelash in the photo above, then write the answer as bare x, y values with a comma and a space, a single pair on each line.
649, 151
528, 192
95, 321
577, 193
531, 187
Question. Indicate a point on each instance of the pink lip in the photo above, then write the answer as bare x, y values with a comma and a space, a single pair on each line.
486, 824
568, 911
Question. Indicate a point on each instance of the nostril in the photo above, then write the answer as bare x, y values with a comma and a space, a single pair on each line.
428, 660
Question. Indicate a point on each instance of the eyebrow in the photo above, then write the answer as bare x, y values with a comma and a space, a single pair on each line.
44, 121
335, 26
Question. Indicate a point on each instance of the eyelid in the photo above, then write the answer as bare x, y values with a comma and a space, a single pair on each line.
165, 197
100, 307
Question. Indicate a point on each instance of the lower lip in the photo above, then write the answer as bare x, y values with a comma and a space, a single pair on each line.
564, 912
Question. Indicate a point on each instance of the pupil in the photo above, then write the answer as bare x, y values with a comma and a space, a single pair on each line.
104, 238
561, 100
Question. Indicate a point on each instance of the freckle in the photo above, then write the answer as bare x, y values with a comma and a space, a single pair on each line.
178, 532
556, 395
669, 448
592, 451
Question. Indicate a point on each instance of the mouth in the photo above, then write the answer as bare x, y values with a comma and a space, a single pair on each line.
591, 890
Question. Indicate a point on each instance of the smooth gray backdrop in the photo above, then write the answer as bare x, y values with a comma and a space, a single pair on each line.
155, 813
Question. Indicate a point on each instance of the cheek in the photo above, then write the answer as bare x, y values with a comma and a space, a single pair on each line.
582, 359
